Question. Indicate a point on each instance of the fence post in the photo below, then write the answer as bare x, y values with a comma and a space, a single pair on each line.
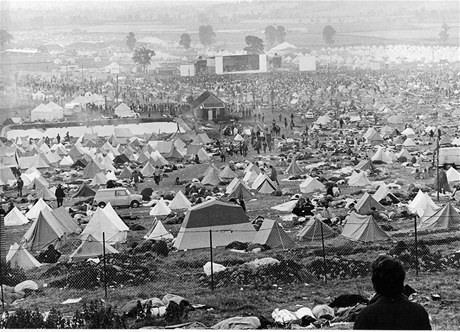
212, 268
105, 265
324, 253
2, 260
416, 245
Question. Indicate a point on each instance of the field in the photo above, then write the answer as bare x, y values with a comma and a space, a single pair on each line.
181, 273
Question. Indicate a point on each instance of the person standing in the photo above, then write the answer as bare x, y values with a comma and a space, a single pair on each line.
274, 175
157, 175
390, 309
58, 139
20, 184
59, 193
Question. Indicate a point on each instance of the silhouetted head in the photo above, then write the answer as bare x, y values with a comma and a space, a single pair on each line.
388, 276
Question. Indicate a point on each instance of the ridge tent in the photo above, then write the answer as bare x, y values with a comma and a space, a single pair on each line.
312, 231
36, 161
126, 173
15, 218
286, 206
108, 222
363, 228
369, 132
90, 247
227, 173
121, 159
99, 179
84, 191
211, 177
358, 180
252, 168
310, 185
174, 154
452, 175
294, 168
374, 139
158, 232
366, 203
273, 235
232, 185
34, 212
421, 204
383, 192
91, 170
409, 143
124, 111
20, 257
381, 156
444, 218
44, 231
250, 177
66, 161
227, 223
259, 180
267, 187
240, 191
45, 194
179, 202
66, 220
148, 170
364, 165
160, 209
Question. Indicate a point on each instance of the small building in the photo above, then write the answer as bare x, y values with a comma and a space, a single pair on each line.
208, 107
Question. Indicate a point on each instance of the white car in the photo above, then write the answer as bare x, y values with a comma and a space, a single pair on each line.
309, 115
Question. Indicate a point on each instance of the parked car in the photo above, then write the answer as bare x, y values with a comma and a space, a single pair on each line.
117, 197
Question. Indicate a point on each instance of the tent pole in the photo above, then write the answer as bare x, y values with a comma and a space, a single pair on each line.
416, 244
438, 185
105, 265
324, 253
2, 261
212, 269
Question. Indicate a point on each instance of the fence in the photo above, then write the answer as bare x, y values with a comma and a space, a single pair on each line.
151, 270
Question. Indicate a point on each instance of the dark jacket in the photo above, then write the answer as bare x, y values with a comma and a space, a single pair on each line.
59, 192
384, 313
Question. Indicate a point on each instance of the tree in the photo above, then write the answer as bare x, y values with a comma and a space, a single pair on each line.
328, 34
131, 41
255, 45
5, 37
142, 56
280, 34
444, 35
185, 40
206, 35
270, 35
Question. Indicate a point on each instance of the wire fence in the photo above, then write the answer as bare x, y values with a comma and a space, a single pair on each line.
96, 267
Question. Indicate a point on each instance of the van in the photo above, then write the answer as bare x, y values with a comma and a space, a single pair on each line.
116, 197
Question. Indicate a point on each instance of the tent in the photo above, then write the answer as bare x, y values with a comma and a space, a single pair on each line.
211, 177
34, 212
266, 187
366, 203
99, 179
66, 161
148, 170
384, 192
381, 156
46, 194
92, 169
44, 231
227, 173
232, 185
227, 223
66, 220
179, 202
20, 257
90, 247
409, 143
273, 235
294, 168
286, 206
126, 173
312, 230
240, 190
374, 139
421, 204
363, 228
358, 179
15, 218
364, 165
444, 218
158, 232
44, 113
84, 191
160, 209
311, 185
452, 175
106, 221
